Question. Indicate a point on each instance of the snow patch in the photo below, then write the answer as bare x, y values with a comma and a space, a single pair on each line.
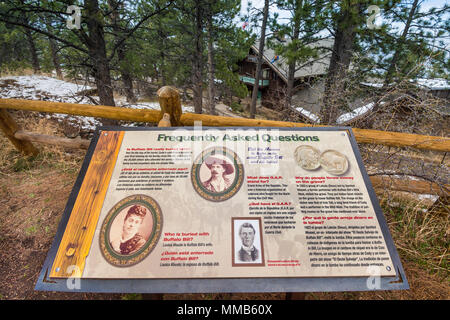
311, 116
434, 84
355, 113
38, 87
372, 84
44, 88
431, 197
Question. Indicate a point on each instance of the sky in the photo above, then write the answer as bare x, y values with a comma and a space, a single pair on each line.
426, 5
260, 3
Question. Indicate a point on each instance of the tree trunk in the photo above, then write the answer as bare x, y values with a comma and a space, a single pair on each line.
127, 80
291, 70
53, 48
33, 51
259, 61
162, 58
162, 49
197, 66
399, 47
126, 77
290, 85
340, 61
55, 58
211, 71
97, 53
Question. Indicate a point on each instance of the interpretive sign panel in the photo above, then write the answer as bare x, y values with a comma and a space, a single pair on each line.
223, 204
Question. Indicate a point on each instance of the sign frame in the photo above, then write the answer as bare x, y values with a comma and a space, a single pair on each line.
229, 285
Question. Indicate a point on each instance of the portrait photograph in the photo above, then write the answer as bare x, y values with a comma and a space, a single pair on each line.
217, 174
130, 230
247, 246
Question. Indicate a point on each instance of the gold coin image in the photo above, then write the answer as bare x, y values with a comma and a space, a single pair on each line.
334, 162
307, 157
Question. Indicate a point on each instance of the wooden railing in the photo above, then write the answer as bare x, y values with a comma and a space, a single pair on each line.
170, 104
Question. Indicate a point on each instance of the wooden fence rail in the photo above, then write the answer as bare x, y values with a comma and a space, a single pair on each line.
170, 105
394, 139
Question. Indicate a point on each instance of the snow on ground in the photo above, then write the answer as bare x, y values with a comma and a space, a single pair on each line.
147, 105
314, 118
434, 84
36, 87
342, 118
355, 113
431, 197
372, 84
42, 88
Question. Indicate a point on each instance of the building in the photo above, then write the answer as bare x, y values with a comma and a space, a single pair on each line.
308, 84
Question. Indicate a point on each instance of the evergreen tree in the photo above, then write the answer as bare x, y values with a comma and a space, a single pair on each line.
226, 44
88, 40
262, 40
296, 39
419, 43
346, 18
14, 53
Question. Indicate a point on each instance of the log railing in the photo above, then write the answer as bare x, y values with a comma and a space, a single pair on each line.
170, 105
387, 138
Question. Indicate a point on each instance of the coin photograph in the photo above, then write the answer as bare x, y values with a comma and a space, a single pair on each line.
334, 162
307, 157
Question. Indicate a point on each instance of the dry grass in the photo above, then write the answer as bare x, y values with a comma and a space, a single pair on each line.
49, 156
421, 235
17, 72
21, 72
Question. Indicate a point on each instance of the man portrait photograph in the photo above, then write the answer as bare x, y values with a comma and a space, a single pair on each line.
247, 242
221, 174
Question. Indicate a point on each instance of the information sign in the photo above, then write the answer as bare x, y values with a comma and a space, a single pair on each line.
223, 210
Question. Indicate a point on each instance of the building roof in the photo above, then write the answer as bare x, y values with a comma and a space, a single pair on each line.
314, 67
431, 84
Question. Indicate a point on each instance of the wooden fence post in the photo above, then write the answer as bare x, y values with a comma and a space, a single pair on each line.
165, 121
169, 101
9, 128
76, 143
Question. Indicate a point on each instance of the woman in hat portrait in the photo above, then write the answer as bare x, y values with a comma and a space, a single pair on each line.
220, 170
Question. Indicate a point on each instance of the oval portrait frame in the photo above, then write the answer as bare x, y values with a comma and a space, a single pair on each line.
109, 253
235, 185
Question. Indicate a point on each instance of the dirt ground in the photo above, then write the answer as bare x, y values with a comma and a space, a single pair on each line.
33, 196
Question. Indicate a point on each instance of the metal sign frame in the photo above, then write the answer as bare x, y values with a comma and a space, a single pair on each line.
210, 285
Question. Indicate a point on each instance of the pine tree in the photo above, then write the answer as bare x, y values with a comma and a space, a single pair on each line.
262, 40
296, 39
88, 40
222, 35
419, 43
346, 18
